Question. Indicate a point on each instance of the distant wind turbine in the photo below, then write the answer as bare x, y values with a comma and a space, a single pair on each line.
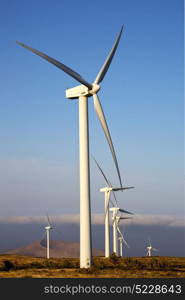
47, 234
121, 238
115, 211
82, 92
150, 249
107, 190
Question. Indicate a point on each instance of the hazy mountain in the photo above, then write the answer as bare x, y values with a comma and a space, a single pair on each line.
57, 249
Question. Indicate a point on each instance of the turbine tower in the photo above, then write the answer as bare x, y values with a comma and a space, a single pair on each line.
107, 190
150, 248
82, 92
120, 239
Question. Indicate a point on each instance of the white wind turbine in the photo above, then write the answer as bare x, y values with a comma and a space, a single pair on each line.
48, 227
82, 92
107, 190
115, 211
150, 248
121, 238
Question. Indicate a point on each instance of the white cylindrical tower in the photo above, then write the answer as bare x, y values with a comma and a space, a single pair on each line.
115, 237
47, 236
121, 246
85, 216
107, 232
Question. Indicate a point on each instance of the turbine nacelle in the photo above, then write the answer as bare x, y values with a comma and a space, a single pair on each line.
48, 227
82, 90
114, 209
111, 188
106, 189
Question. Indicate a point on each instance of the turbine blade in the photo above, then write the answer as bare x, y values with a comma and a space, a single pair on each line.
123, 188
126, 243
125, 218
155, 249
125, 211
115, 198
117, 227
43, 236
107, 180
58, 64
101, 117
112, 203
101, 171
49, 221
108, 60
43, 240
149, 242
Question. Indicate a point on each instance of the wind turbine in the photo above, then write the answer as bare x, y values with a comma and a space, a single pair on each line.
107, 190
150, 248
115, 211
82, 92
48, 227
121, 242
121, 238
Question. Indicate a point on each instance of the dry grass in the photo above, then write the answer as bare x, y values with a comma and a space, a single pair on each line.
134, 267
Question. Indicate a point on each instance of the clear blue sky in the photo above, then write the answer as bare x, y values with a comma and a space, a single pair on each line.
142, 96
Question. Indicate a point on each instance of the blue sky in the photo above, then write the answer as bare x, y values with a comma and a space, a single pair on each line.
142, 97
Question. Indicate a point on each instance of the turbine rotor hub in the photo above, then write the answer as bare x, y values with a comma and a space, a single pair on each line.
95, 89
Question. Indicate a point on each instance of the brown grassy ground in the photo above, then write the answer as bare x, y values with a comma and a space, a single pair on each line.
135, 267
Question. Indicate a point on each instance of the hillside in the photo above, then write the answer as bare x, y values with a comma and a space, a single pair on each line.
57, 249
136, 267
